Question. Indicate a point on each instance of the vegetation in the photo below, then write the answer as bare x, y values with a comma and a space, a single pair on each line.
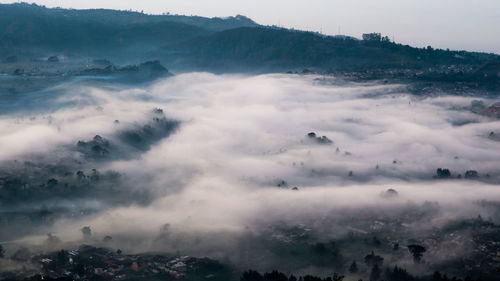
271, 47
30, 33
395, 274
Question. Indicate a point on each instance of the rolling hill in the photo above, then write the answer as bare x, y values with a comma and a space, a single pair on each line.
233, 44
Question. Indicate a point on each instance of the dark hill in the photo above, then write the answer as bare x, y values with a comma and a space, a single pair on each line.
185, 43
282, 49
28, 27
117, 17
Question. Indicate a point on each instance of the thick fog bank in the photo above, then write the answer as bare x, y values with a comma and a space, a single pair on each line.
235, 157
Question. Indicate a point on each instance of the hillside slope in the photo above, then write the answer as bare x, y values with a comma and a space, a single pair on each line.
282, 49
236, 44
25, 27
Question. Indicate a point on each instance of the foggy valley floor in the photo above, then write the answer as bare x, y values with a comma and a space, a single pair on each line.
200, 176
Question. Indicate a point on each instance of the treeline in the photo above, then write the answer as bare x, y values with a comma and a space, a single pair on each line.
270, 47
97, 32
394, 274
230, 44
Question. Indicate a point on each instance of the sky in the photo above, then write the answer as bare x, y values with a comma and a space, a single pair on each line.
455, 24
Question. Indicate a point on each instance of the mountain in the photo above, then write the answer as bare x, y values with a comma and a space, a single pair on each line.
277, 48
117, 17
29, 32
99, 32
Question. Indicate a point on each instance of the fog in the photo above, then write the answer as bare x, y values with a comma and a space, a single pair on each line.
226, 174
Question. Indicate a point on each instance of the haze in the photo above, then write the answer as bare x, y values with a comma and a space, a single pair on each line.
137, 146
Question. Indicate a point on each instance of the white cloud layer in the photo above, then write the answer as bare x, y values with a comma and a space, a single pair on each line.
240, 136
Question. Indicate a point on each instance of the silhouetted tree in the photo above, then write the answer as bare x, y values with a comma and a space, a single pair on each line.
95, 175
390, 193
52, 182
86, 231
2, 252
80, 175
251, 275
443, 173
437, 276
312, 278
52, 240
337, 277
372, 259
417, 251
275, 276
354, 267
375, 273
471, 174
398, 274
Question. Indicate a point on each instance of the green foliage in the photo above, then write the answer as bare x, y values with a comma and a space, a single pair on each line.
281, 48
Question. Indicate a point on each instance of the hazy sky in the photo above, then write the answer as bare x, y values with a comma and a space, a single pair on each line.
454, 24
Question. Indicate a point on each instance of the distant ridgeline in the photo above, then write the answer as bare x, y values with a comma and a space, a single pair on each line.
84, 32
187, 43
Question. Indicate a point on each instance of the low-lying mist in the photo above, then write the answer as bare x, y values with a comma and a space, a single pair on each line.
223, 165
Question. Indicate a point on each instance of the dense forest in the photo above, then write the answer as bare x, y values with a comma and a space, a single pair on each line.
211, 43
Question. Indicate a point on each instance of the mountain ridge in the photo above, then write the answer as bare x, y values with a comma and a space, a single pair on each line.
222, 45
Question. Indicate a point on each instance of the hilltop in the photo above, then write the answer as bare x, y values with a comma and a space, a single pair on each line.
29, 33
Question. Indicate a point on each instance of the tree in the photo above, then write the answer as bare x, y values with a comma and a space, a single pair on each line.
443, 173
52, 240
312, 278
372, 259
354, 267
471, 174
337, 277
417, 251
95, 175
2, 252
275, 276
437, 276
375, 273
251, 275
80, 175
52, 182
398, 274
86, 231
377, 37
